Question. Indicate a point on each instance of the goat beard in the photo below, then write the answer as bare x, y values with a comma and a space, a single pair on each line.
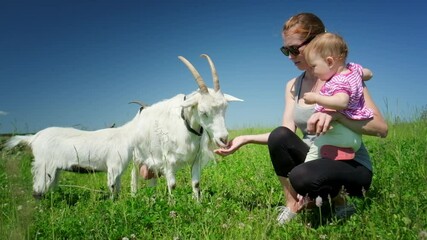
206, 150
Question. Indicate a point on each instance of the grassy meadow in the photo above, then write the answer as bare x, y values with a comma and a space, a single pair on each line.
240, 194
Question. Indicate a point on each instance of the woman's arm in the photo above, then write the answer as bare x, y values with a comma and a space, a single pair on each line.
239, 141
319, 123
366, 74
290, 101
377, 126
288, 122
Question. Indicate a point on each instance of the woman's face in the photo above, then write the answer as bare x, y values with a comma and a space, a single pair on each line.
295, 39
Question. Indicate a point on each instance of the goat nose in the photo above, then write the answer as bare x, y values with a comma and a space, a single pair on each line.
224, 140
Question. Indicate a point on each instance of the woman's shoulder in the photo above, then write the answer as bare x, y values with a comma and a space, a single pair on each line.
293, 85
294, 82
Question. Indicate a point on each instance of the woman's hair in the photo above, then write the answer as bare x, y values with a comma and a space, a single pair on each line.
306, 24
327, 45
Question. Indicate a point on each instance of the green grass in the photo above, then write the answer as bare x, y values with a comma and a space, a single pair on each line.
239, 197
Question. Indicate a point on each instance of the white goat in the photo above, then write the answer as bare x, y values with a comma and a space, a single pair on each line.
183, 130
56, 148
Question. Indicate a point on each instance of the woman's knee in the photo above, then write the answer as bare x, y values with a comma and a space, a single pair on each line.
284, 153
278, 136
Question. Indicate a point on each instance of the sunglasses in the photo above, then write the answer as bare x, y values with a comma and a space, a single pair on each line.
294, 49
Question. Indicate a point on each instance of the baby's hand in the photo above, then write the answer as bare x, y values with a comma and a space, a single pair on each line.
310, 97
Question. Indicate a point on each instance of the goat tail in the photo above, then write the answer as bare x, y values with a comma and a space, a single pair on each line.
15, 140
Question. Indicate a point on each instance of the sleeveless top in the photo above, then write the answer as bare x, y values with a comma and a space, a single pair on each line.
303, 113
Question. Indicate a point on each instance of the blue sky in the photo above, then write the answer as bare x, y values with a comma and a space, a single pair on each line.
79, 63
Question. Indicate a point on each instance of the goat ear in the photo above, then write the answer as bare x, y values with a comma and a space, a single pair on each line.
230, 98
190, 102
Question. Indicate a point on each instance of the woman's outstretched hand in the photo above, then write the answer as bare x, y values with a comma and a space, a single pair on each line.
231, 147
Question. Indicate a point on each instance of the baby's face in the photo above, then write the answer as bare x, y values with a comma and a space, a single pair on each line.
321, 67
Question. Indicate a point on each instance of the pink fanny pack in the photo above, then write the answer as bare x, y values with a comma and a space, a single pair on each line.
337, 153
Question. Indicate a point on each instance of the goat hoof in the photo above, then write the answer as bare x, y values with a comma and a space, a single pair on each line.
37, 195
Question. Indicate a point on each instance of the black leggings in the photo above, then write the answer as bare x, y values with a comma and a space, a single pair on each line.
322, 177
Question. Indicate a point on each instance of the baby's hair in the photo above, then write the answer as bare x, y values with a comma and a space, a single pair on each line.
327, 45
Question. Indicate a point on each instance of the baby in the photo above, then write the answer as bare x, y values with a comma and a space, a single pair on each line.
343, 92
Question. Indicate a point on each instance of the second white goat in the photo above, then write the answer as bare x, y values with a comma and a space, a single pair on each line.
57, 148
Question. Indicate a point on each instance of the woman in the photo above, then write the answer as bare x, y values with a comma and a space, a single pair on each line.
322, 177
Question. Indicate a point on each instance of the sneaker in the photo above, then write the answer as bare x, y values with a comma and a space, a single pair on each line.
285, 215
344, 211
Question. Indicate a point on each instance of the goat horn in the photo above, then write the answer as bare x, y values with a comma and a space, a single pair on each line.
142, 104
196, 75
213, 70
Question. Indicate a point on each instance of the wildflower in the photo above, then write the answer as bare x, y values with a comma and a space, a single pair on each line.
172, 214
422, 235
319, 201
323, 236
